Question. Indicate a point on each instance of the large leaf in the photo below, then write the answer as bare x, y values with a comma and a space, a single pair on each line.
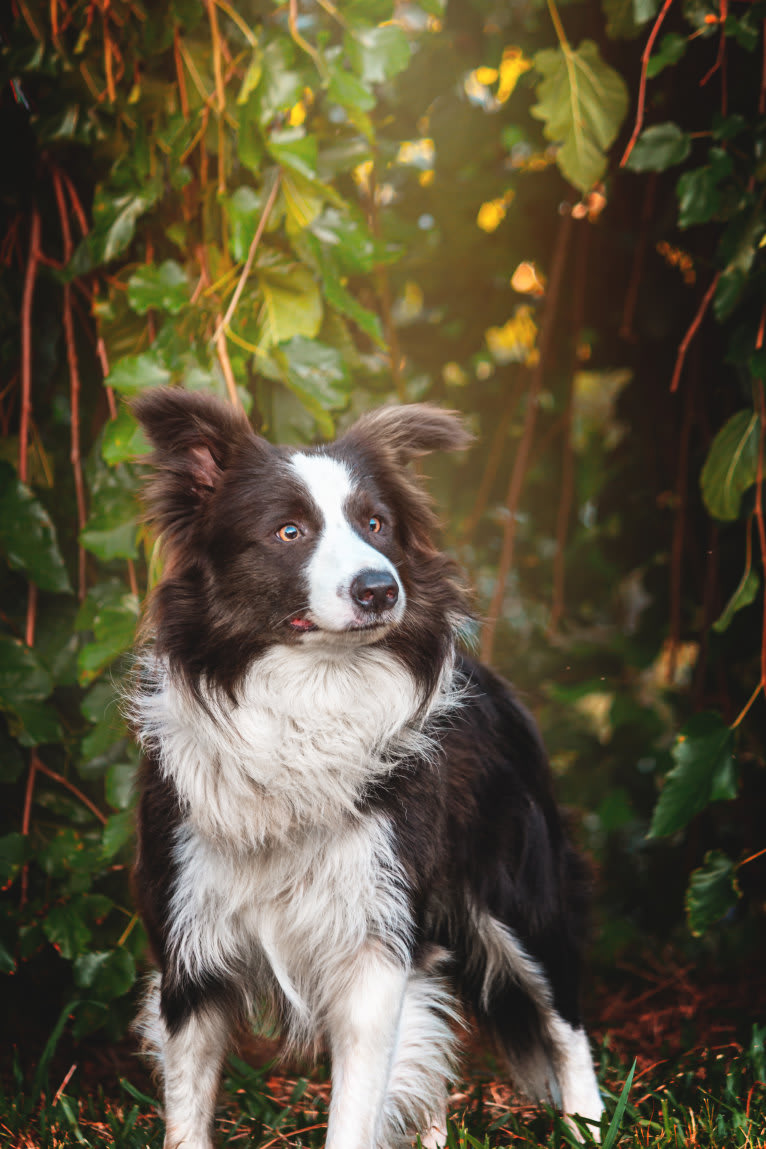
378, 54
582, 102
27, 535
745, 593
134, 373
123, 439
732, 465
704, 772
66, 930
23, 677
699, 198
164, 288
292, 304
712, 892
316, 373
106, 974
659, 147
111, 612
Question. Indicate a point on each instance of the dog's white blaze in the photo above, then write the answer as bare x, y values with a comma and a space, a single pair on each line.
341, 552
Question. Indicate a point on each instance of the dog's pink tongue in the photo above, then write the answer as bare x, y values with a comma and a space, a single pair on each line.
301, 624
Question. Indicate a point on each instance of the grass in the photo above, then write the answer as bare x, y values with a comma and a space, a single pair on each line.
706, 1098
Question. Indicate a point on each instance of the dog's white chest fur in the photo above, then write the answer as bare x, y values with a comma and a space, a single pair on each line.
310, 731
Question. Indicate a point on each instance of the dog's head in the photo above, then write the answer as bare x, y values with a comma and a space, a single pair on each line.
330, 546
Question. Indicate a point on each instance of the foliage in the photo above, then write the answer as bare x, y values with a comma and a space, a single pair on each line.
312, 209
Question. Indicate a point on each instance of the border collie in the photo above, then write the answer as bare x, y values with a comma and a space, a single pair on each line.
344, 819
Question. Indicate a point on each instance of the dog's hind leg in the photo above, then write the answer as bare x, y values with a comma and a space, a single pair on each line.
514, 996
189, 1044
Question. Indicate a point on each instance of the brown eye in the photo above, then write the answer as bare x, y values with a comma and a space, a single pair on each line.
288, 533
375, 524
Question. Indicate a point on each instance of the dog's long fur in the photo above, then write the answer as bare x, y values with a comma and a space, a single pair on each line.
343, 818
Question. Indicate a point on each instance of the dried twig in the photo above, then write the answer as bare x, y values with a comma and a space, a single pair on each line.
70, 786
26, 341
224, 323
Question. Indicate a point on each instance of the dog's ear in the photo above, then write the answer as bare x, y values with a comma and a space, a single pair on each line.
194, 438
414, 429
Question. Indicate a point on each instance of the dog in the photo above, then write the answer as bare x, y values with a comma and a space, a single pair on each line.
344, 819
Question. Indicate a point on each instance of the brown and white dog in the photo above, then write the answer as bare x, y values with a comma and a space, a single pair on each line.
342, 815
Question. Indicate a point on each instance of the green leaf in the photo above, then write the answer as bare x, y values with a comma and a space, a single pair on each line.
610, 1138
698, 196
164, 288
107, 974
114, 219
672, 48
659, 147
252, 76
732, 465
121, 785
280, 87
712, 892
582, 102
729, 291
35, 723
316, 373
703, 772
23, 677
14, 852
66, 931
350, 92
378, 54
112, 527
299, 154
113, 622
243, 211
27, 535
292, 304
620, 19
118, 831
134, 373
123, 439
302, 201
745, 593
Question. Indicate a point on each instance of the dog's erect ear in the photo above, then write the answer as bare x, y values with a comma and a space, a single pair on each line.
194, 436
412, 430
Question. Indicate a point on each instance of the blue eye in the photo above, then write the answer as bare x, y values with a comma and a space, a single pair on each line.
375, 524
288, 533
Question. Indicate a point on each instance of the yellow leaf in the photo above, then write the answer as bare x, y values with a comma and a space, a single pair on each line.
513, 65
297, 114
514, 342
486, 75
491, 215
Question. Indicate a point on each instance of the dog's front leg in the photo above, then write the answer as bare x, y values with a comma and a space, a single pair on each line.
363, 1022
192, 1057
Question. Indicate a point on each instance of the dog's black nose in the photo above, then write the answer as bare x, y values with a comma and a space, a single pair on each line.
376, 591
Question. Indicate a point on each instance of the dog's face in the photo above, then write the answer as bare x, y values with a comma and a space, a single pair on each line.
264, 544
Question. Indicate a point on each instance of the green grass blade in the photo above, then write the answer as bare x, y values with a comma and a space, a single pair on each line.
617, 1116
41, 1075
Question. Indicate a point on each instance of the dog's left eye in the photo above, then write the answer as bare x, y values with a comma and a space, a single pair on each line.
375, 524
288, 533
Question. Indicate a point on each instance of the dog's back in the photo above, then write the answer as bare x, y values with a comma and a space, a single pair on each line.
342, 816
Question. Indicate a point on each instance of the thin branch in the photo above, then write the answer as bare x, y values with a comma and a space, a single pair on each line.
522, 456
226, 321
642, 84
70, 786
292, 20
693, 327
34, 762
384, 295
26, 341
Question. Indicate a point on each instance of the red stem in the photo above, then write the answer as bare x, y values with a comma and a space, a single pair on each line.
26, 342
684, 345
642, 85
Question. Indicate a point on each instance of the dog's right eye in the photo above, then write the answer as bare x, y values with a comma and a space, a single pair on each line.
288, 533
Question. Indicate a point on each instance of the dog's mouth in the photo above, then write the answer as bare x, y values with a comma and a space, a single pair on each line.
302, 624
